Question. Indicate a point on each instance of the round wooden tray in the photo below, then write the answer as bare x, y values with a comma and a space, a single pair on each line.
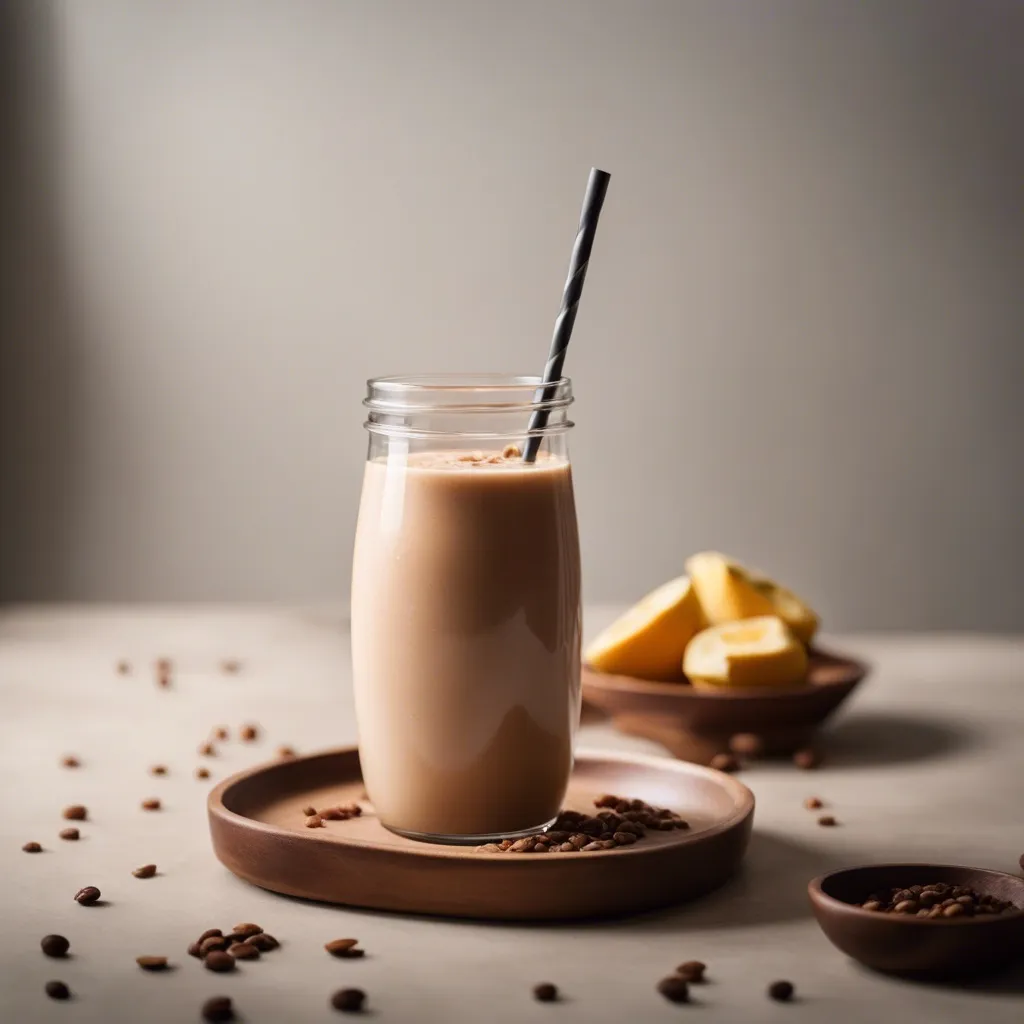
697, 724
258, 832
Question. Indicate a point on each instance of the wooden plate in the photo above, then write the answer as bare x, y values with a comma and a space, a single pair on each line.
697, 724
258, 832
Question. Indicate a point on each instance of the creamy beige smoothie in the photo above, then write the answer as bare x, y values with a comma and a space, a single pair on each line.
466, 640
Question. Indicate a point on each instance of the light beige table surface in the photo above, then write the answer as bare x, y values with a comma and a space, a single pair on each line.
926, 763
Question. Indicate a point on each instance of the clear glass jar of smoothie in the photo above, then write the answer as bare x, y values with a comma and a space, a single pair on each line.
466, 607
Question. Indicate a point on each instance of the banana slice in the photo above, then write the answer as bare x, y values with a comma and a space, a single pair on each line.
728, 592
758, 652
648, 641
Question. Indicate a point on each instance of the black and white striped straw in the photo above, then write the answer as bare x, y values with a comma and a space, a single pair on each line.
593, 200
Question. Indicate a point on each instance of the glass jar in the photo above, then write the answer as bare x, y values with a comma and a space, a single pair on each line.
466, 607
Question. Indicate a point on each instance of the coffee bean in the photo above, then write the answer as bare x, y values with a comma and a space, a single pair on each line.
871, 905
606, 801
57, 990
87, 896
152, 963
692, 971
54, 945
608, 844
71, 834
218, 960
285, 751
489, 848
545, 992
243, 951
210, 933
624, 838
248, 733
674, 989
807, 759
314, 821
231, 666
521, 846
212, 944
202, 773
207, 749
906, 907
591, 846
146, 871
193, 950
346, 949
33, 847
164, 664
263, 942
158, 769
812, 803
827, 821
247, 928
332, 814
954, 910
747, 744
123, 668
725, 762
152, 804
163, 679
218, 1009
221, 732
231, 938
71, 762
76, 812
781, 991
348, 1000
567, 848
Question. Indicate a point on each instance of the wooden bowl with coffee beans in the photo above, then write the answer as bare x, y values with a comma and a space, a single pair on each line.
932, 921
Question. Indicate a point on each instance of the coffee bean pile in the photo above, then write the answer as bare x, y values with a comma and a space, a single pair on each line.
938, 901
219, 952
619, 822
316, 819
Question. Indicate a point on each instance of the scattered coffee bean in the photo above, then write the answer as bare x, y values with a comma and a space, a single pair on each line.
243, 951
164, 665
781, 991
57, 990
348, 1000
152, 963
263, 942
163, 678
218, 960
545, 992
71, 762
231, 666
807, 759
212, 944
76, 812
747, 744
248, 733
333, 814
146, 871
202, 773
33, 847
725, 762
309, 810
827, 821
692, 971
346, 949
210, 933
247, 928
158, 769
87, 896
218, 1009
813, 803
71, 834
55, 945
285, 751
221, 732
207, 749
123, 668
152, 804
674, 989
314, 821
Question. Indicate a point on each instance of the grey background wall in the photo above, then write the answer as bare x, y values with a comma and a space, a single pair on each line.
802, 339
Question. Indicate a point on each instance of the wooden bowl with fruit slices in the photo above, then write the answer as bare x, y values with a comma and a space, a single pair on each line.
718, 661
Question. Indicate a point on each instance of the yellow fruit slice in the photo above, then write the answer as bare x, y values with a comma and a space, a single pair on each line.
728, 591
648, 641
758, 652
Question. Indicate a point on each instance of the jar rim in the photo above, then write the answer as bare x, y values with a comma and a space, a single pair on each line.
448, 382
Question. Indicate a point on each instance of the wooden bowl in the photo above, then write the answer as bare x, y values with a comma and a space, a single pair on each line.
914, 945
258, 830
697, 724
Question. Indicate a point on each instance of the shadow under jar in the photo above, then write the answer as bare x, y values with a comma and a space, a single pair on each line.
466, 607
